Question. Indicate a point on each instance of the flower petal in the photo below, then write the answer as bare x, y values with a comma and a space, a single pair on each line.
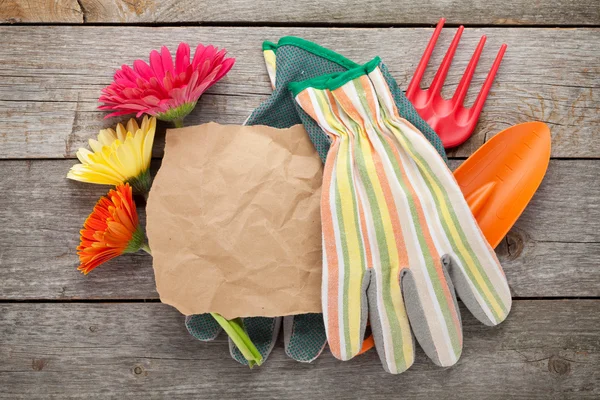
161, 86
109, 229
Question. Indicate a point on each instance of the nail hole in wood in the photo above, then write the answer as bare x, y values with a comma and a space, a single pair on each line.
138, 370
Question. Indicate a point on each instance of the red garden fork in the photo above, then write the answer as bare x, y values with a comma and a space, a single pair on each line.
453, 122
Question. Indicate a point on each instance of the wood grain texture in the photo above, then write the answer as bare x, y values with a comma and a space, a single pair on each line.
20, 11
51, 77
544, 350
554, 251
58, 339
479, 12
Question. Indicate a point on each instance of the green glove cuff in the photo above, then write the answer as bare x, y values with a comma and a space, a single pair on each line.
315, 49
335, 80
298, 60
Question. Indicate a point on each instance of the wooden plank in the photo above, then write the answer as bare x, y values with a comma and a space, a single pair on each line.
50, 78
494, 12
554, 250
17, 11
544, 350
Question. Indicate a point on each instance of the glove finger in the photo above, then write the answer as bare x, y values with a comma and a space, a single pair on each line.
389, 324
304, 336
433, 312
344, 299
490, 306
263, 333
345, 308
203, 327
472, 264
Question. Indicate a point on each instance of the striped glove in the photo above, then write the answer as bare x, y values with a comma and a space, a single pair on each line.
398, 236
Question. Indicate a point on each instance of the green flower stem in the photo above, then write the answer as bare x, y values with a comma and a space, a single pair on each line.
237, 333
146, 248
178, 123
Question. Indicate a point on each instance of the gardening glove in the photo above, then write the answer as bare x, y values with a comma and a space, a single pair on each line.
398, 236
262, 332
290, 60
302, 341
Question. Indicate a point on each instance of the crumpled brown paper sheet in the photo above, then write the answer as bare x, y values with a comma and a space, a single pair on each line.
233, 221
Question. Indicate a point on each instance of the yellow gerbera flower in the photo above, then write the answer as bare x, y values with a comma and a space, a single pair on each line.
118, 156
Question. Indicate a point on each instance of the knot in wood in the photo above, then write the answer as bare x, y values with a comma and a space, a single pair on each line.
38, 364
514, 244
559, 366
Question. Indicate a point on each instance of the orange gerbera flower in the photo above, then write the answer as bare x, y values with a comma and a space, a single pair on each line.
111, 229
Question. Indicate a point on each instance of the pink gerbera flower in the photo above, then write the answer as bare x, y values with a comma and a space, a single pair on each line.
167, 91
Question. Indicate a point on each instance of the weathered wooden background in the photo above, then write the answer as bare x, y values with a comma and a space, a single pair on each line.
63, 335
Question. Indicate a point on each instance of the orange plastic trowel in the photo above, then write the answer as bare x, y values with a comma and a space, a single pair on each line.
500, 178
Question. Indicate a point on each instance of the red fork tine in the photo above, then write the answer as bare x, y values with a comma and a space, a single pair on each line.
480, 101
453, 124
416, 79
465, 82
440, 75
